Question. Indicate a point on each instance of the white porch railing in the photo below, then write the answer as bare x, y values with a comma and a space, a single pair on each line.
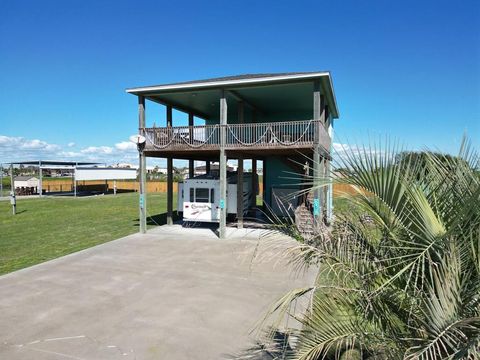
237, 136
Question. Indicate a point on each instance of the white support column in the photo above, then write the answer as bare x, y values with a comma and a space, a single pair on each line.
316, 154
240, 204
191, 163
169, 175
253, 204
223, 167
329, 172
142, 168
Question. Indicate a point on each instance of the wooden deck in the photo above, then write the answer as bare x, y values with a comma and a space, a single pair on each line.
258, 138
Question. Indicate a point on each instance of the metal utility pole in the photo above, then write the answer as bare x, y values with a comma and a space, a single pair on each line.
1, 180
13, 199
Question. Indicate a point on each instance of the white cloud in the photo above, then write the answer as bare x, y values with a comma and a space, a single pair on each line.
16, 148
343, 154
97, 150
21, 143
69, 154
125, 146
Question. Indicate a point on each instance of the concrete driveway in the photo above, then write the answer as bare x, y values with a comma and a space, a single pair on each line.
173, 293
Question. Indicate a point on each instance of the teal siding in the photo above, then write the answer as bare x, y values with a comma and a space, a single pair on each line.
278, 175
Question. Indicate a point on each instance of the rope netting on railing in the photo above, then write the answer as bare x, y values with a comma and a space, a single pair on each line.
165, 137
237, 135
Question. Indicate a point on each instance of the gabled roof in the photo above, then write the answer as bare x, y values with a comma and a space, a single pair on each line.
23, 178
234, 78
175, 93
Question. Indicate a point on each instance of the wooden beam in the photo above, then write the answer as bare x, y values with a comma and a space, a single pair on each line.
317, 162
240, 98
169, 191
169, 115
254, 183
182, 108
142, 169
241, 114
191, 163
264, 182
169, 174
329, 168
223, 167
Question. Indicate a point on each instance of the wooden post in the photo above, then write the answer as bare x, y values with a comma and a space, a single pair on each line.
264, 181
40, 180
191, 163
317, 173
322, 168
75, 182
169, 175
329, 121
142, 168
1, 180
253, 204
240, 173
223, 167
207, 166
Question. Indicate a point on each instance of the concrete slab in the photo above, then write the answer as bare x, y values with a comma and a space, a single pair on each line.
173, 293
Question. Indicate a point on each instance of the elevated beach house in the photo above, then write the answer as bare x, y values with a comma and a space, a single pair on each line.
284, 120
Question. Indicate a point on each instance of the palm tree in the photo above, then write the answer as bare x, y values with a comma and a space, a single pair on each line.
406, 283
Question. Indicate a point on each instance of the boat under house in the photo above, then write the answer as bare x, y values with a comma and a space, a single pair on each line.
284, 120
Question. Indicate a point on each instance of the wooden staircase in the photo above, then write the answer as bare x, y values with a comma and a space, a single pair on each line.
304, 221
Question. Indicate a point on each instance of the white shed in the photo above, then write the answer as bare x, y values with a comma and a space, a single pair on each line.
25, 181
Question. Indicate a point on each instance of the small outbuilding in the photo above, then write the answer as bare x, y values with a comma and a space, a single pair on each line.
26, 185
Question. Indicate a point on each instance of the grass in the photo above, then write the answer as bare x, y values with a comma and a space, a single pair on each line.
50, 227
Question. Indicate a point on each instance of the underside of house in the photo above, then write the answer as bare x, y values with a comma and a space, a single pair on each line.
283, 120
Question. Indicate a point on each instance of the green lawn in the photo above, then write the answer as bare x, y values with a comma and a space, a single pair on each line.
50, 227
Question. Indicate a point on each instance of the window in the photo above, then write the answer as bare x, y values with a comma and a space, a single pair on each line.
192, 199
201, 195
212, 195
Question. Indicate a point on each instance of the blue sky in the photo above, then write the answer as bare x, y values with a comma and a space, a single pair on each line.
406, 69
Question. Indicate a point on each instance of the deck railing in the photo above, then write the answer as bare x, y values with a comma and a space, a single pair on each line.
250, 135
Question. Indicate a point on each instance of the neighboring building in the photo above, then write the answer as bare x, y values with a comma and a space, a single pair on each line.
215, 167
126, 165
26, 182
158, 170
279, 119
